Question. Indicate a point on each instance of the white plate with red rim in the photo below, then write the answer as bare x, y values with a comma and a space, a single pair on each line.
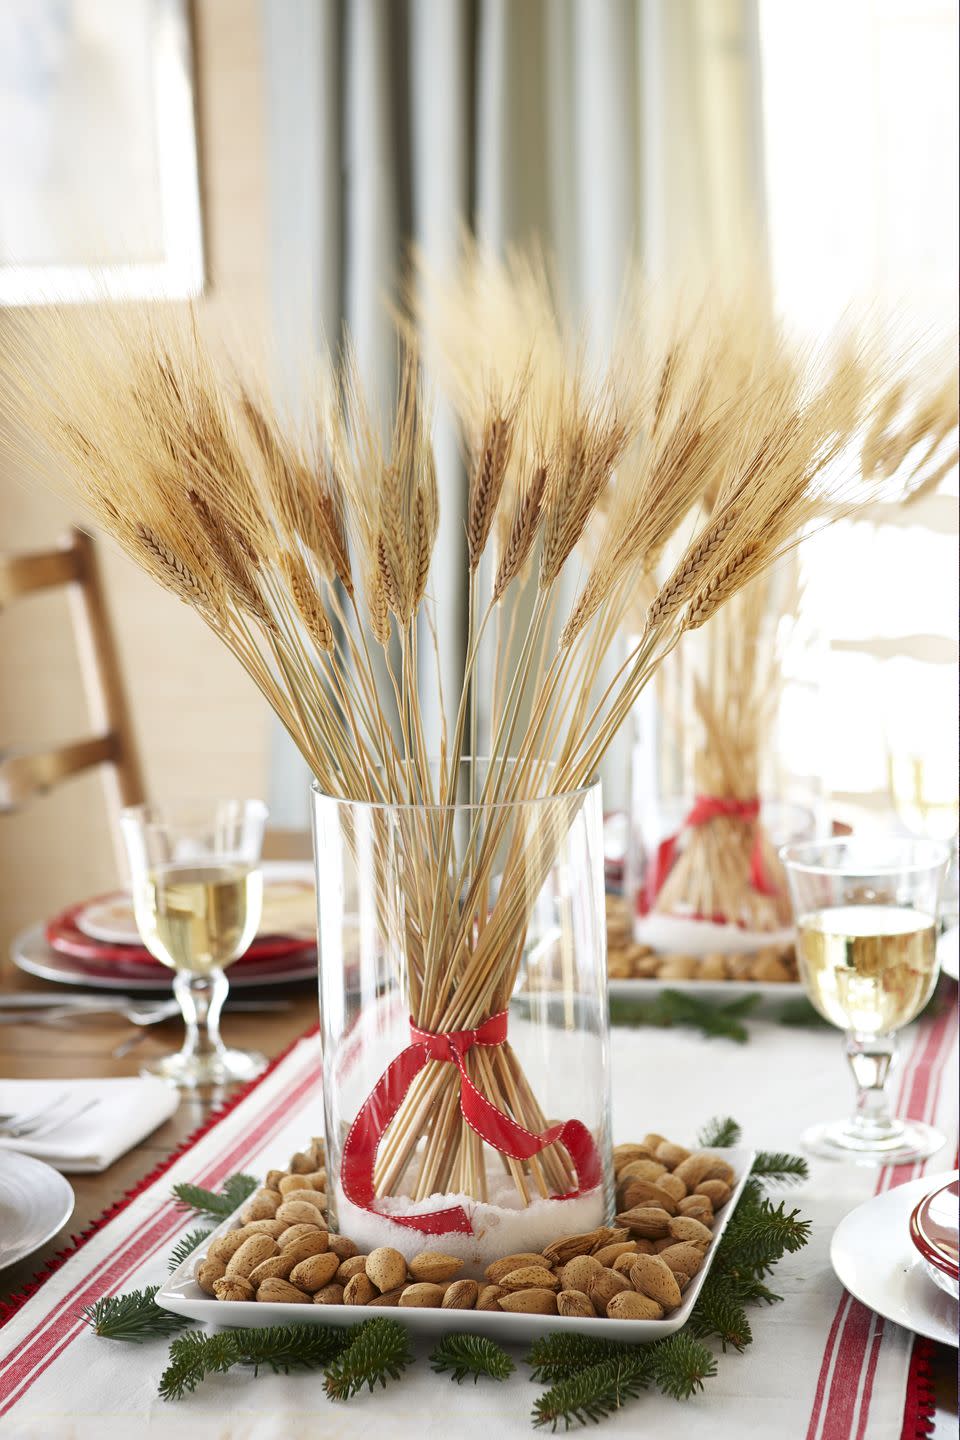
935, 1232
183, 1295
873, 1255
35, 1202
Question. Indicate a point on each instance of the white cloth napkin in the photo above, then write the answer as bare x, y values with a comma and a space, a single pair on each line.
126, 1111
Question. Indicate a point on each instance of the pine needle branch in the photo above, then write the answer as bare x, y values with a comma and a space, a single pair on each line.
379, 1350
133, 1317
559, 1355
756, 1240
680, 1364
185, 1246
719, 1311
592, 1394
220, 1203
674, 1007
800, 1013
280, 1349
780, 1167
476, 1355
720, 1132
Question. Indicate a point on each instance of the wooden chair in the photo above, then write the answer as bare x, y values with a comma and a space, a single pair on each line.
25, 773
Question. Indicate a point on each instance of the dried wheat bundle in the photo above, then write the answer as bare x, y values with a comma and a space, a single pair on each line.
309, 553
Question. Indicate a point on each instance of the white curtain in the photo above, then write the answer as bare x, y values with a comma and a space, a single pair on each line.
600, 128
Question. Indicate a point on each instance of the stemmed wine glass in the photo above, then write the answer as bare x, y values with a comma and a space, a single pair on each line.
866, 915
197, 896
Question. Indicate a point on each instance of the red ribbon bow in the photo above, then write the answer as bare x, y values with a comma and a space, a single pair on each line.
492, 1125
707, 808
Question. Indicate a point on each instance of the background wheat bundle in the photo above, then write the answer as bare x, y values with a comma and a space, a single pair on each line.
309, 553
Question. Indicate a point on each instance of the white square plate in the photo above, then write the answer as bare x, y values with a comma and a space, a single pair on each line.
183, 1295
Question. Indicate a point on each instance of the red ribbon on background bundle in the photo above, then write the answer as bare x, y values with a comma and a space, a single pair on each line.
492, 1125
707, 808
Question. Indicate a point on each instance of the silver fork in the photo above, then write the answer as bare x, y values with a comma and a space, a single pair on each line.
16, 1124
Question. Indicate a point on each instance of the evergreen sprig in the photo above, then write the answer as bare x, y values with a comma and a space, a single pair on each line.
680, 1364
476, 1355
754, 1241
185, 1246
675, 1007
560, 1354
379, 1350
133, 1317
279, 1349
719, 1311
720, 1133
776, 1165
590, 1395
218, 1203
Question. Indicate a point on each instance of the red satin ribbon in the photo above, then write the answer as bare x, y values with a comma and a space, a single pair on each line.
492, 1125
707, 808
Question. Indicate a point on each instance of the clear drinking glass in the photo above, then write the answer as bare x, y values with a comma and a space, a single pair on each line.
197, 895
866, 914
477, 928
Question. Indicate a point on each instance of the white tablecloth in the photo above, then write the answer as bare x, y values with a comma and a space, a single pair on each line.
820, 1368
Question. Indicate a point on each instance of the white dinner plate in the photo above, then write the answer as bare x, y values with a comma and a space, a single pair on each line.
948, 952
875, 1259
35, 1201
712, 989
183, 1295
31, 953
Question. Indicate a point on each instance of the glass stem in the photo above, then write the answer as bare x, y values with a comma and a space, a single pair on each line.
872, 1058
201, 998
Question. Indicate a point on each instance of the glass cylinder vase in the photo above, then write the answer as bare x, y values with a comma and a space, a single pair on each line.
464, 1018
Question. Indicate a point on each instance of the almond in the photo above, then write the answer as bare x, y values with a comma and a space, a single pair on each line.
298, 1212
250, 1254
651, 1141
511, 1262
265, 1227
645, 1247
434, 1266
683, 1256
642, 1170
563, 1250
291, 1233
629, 1305
578, 1272
422, 1295
343, 1246
530, 1277
718, 1192
272, 1182
609, 1253
390, 1299
356, 1265
697, 1206
649, 1222
277, 1266
645, 1192
663, 1244
386, 1268
281, 1292
536, 1301
233, 1287
461, 1295
313, 1198
604, 1286
693, 1170
720, 1169
684, 1227
358, 1290
302, 1163
329, 1295
489, 1297
674, 1186
314, 1272
289, 1183
653, 1278
610, 1235
682, 1280
624, 1154
623, 1263
305, 1246
226, 1245
576, 1303
208, 1272
261, 1206
671, 1155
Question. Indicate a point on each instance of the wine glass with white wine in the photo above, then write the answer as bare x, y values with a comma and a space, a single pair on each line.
866, 917
197, 897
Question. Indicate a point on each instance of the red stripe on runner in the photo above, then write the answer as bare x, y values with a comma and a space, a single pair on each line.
845, 1385
163, 1222
871, 1376
844, 1335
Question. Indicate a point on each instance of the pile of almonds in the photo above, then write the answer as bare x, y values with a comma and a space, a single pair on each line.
638, 1270
627, 960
